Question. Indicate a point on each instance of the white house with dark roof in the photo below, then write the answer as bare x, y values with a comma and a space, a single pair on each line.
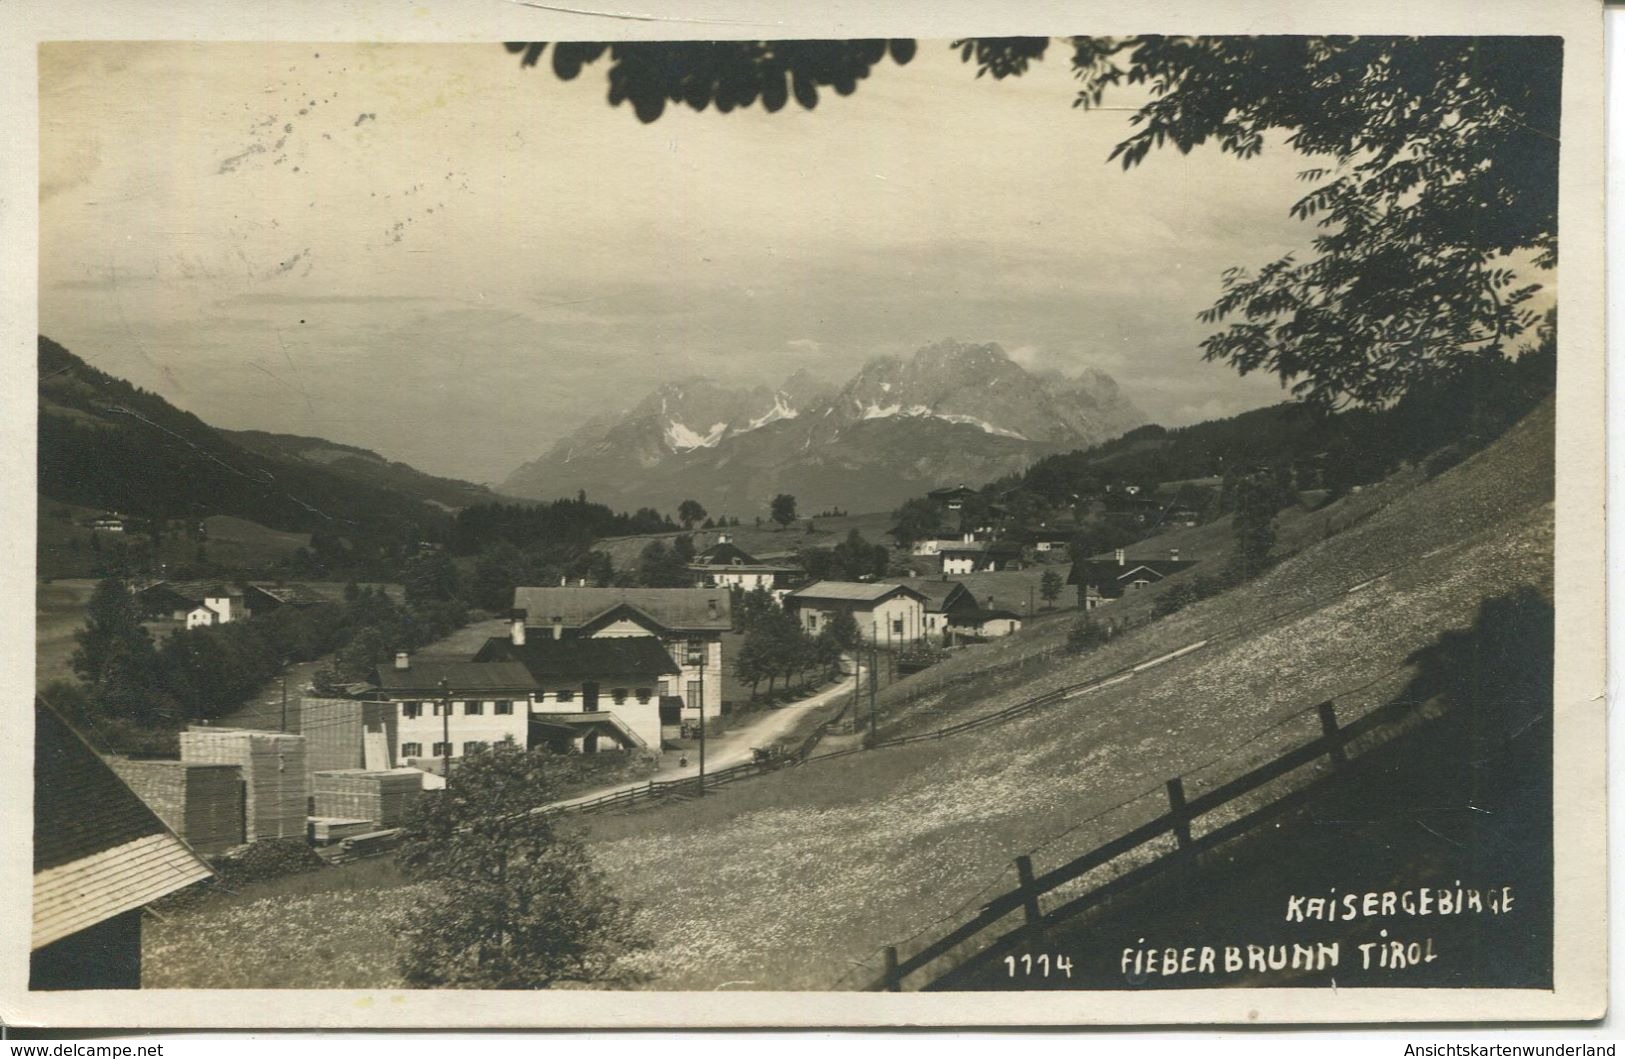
726, 565
885, 613
688, 623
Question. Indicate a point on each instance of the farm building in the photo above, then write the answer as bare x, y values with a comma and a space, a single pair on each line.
975, 556
100, 856
1099, 581
943, 600
885, 612
196, 603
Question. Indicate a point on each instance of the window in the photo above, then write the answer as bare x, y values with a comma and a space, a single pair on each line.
693, 701
442, 749
412, 749
504, 707
411, 709
618, 694
437, 709
565, 695
475, 746
696, 652
473, 708
643, 694
897, 626
812, 621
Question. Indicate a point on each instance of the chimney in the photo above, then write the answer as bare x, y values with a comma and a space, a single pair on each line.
516, 627
711, 609
563, 581
581, 583
558, 627
724, 538
403, 660
1173, 554
1121, 557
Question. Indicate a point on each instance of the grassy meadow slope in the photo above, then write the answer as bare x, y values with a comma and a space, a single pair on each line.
796, 880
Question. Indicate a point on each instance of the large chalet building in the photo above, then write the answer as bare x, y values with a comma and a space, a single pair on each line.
686, 623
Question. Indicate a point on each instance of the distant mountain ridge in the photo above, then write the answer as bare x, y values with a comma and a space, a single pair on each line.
953, 411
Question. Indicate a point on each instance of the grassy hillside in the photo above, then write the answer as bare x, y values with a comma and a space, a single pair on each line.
823, 865
365, 467
107, 445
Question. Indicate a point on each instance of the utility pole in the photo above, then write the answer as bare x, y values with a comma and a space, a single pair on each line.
284, 694
702, 719
874, 662
445, 727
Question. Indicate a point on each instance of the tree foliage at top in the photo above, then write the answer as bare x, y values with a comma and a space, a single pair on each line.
1434, 179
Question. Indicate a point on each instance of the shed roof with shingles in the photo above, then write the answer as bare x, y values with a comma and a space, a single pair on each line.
854, 591
98, 850
676, 609
549, 659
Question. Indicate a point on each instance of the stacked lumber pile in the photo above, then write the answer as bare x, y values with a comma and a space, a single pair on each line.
203, 804
276, 786
384, 797
324, 830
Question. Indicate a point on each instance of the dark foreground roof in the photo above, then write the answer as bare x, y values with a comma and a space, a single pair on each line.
548, 659
98, 850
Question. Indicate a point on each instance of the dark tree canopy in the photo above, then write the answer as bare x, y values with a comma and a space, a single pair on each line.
1434, 178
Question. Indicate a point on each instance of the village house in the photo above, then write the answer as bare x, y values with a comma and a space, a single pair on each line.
943, 601
688, 624
194, 603
725, 565
885, 613
1099, 581
970, 556
100, 857
471, 706
952, 498
590, 689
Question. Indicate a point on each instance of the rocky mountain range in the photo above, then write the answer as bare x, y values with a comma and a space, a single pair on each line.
952, 412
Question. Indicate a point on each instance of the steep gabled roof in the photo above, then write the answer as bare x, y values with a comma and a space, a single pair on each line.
677, 609
854, 591
290, 595
724, 553
98, 850
547, 659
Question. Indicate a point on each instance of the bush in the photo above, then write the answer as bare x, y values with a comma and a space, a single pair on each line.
1085, 635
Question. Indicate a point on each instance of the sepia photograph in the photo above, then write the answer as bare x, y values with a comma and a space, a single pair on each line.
1074, 518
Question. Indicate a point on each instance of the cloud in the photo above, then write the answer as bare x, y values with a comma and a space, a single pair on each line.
805, 345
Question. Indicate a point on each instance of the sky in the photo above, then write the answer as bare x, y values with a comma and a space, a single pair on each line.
434, 253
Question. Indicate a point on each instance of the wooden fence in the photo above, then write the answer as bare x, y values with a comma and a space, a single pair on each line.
1177, 822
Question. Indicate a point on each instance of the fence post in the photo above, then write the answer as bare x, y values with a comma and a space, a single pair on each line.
1029, 893
1328, 727
1176, 804
893, 982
